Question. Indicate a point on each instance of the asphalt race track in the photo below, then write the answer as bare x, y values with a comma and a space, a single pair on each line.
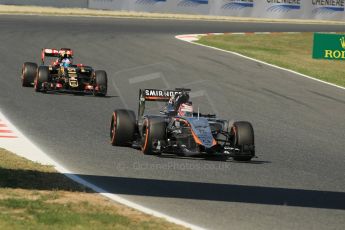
297, 181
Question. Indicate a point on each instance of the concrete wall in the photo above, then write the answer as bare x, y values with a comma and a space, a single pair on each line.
54, 3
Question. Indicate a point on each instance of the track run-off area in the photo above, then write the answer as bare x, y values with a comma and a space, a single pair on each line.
297, 181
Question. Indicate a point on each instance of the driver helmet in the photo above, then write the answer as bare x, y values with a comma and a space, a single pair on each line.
185, 110
66, 61
170, 105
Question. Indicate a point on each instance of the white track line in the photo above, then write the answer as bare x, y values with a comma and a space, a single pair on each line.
191, 39
22, 146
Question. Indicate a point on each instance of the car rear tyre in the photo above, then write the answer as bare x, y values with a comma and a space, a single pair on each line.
29, 71
101, 83
243, 134
154, 132
42, 77
122, 127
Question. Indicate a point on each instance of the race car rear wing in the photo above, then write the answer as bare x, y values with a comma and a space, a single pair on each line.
49, 53
55, 53
156, 95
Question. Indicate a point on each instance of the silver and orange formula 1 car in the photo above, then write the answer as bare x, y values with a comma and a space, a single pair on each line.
59, 74
177, 129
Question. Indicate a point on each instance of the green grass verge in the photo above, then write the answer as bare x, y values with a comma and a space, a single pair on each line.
291, 51
33, 196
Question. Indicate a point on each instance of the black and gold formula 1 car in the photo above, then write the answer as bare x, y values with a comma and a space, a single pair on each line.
177, 129
60, 76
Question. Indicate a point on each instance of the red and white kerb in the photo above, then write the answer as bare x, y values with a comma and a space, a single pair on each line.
5, 131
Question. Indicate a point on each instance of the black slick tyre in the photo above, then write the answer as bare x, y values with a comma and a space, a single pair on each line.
29, 71
42, 77
122, 127
154, 131
101, 83
243, 134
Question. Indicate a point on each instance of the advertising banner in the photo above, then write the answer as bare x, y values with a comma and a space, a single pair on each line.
330, 10
278, 9
53, 3
284, 9
161, 6
191, 6
329, 46
149, 5
243, 8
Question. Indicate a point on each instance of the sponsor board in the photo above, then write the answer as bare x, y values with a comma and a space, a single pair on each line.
149, 2
148, 5
279, 9
237, 4
191, 3
327, 6
190, 6
284, 9
233, 8
283, 6
329, 46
